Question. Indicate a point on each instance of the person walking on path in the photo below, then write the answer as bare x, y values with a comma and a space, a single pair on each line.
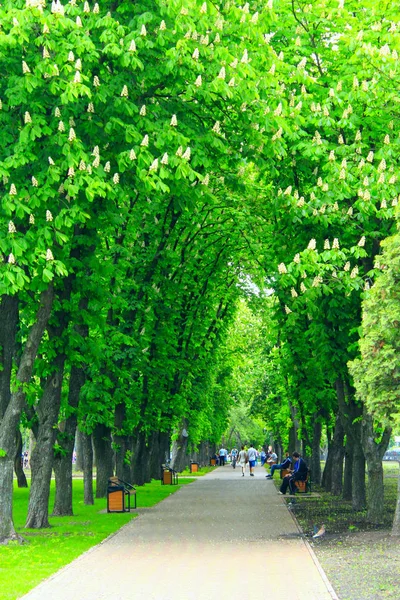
223, 453
299, 473
242, 459
252, 454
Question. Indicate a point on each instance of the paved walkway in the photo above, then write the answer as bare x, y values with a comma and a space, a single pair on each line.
224, 537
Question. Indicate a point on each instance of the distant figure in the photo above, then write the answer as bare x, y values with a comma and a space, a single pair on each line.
243, 459
299, 473
285, 464
234, 456
252, 454
263, 457
223, 453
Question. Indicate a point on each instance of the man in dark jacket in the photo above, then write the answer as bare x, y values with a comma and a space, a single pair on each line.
299, 473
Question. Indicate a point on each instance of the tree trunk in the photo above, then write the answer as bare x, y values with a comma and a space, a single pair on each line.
66, 441
87, 456
141, 461
9, 319
11, 416
374, 452
123, 444
156, 454
337, 458
19, 471
79, 451
359, 495
348, 468
180, 459
294, 442
396, 520
43, 454
104, 458
316, 452
327, 474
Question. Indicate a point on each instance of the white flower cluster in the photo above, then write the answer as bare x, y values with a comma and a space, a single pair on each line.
174, 121
57, 8
282, 268
154, 165
11, 227
312, 244
287, 310
49, 216
317, 281
124, 92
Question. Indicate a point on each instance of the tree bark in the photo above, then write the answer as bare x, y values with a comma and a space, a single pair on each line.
141, 460
337, 458
87, 459
316, 452
359, 494
180, 459
79, 451
327, 474
43, 454
9, 319
11, 416
374, 451
66, 438
348, 468
123, 444
104, 458
19, 471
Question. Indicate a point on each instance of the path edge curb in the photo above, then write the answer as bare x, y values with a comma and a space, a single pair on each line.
321, 571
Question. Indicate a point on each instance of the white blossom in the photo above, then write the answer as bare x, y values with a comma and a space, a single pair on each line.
124, 92
11, 227
78, 21
186, 154
179, 151
195, 54
107, 167
163, 26
132, 46
49, 216
361, 243
370, 157
11, 259
245, 57
25, 68
82, 165
383, 204
293, 293
231, 82
49, 255
222, 74
335, 243
34, 182
143, 31
77, 78
132, 154
31, 219
71, 172
174, 121
116, 178
96, 81
142, 112
90, 108
96, 162
347, 266
327, 245
316, 281
96, 9
350, 211
164, 160
27, 118
303, 288
13, 190
287, 310
282, 268
72, 135
203, 8
296, 259
198, 81
234, 63
312, 244
206, 180
51, 161
386, 139
217, 127
145, 141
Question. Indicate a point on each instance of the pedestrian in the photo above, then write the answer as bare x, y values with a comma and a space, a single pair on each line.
285, 464
252, 454
223, 453
243, 459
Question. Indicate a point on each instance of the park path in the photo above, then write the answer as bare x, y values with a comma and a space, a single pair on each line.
224, 537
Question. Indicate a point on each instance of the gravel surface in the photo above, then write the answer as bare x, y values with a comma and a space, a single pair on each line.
224, 537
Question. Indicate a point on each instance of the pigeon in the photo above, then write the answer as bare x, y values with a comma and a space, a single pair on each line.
320, 533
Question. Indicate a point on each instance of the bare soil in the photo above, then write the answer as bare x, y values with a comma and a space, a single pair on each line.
361, 561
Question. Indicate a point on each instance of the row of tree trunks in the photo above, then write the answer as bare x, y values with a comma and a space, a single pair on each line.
11, 414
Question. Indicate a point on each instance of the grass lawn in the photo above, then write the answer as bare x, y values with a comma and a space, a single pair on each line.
22, 567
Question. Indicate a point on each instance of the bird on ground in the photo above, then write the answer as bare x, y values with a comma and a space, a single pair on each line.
320, 533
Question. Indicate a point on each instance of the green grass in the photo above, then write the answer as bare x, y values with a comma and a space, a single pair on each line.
203, 471
22, 567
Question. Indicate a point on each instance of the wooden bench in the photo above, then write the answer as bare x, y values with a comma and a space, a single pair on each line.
168, 476
119, 494
304, 486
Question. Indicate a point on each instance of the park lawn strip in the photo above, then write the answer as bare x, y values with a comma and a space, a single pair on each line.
202, 471
22, 567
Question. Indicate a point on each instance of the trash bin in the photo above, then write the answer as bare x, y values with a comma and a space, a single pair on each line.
119, 494
194, 467
213, 462
168, 476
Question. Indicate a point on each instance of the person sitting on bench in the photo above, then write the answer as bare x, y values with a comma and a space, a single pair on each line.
285, 464
299, 473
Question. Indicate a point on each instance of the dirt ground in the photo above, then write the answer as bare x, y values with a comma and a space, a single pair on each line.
361, 561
